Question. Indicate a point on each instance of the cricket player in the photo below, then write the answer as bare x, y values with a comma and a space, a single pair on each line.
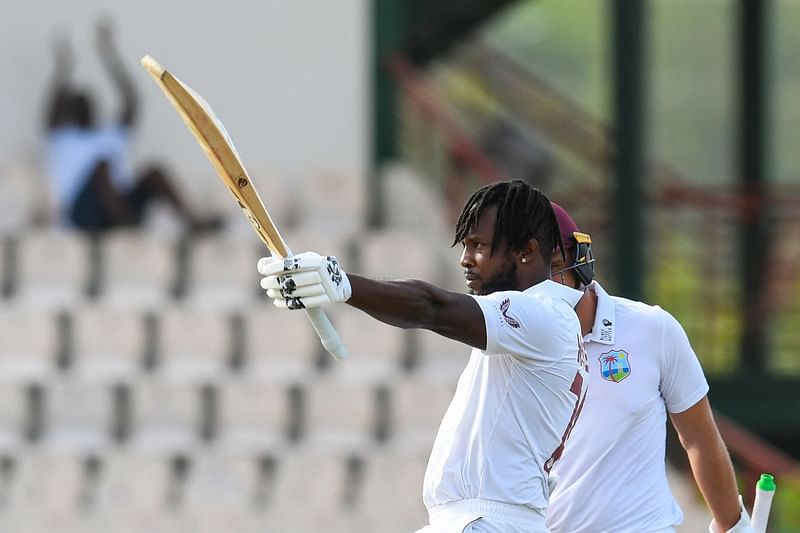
612, 477
523, 386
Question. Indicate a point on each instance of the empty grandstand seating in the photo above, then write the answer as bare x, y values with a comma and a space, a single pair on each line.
108, 345
438, 358
418, 407
390, 497
341, 415
194, 344
377, 351
398, 254
147, 384
314, 491
278, 347
221, 272
78, 417
167, 418
52, 269
254, 418
13, 416
333, 203
322, 239
137, 270
30, 344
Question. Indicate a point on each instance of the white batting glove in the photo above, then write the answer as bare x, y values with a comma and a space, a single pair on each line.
303, 281
742, 526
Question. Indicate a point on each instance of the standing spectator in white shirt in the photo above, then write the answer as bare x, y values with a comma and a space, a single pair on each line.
522, 389
612, 478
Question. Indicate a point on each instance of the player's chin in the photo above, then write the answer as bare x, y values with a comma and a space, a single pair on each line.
473, 286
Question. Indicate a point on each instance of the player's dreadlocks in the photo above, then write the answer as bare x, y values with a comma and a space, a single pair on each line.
523, 213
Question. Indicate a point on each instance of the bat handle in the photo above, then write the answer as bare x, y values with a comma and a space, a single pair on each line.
327, 334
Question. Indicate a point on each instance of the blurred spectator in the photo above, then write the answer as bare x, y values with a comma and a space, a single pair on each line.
93, 185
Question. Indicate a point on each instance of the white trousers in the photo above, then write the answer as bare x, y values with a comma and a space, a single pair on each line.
484, 516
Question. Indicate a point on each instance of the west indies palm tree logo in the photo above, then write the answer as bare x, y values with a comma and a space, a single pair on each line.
614, 365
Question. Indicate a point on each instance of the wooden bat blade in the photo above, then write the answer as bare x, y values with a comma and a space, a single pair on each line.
212, 136
210, 133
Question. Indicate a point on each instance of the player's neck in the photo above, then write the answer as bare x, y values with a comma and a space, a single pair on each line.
532, 275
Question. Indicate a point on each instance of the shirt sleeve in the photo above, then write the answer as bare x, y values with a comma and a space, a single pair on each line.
683, 382
113, 143
527, 326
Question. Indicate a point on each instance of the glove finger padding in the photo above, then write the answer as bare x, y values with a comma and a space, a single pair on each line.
268, 266
303, 281
299, 292
289, 282
293, 304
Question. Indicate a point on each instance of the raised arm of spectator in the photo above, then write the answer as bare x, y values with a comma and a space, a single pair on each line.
113, 63
59, 94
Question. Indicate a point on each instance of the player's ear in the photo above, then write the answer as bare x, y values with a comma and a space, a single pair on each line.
529, 251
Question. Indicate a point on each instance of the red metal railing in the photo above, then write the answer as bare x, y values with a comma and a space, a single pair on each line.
695, 222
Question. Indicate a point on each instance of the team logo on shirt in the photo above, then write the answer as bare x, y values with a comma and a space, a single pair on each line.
504, 305
615, 366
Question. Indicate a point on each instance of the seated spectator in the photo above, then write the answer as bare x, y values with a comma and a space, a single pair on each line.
93, 185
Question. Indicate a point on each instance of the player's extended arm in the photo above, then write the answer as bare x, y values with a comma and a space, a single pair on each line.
114, 64
711, 465
309, 280
419, 305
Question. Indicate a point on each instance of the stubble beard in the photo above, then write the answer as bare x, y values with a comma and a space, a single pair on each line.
503, 279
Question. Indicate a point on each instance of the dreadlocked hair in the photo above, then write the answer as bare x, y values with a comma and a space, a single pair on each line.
523, 213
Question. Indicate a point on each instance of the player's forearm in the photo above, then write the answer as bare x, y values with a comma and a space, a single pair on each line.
713, 472
417, 304
402, 303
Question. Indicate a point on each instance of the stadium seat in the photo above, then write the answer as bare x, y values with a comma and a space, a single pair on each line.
52, 269
222, 272
376, 350
391, 495
279, 346
328, 240
412, 202
340, 415
47, 491
17, 199
13, 412
229, 492
138, 270
109, 344
417, 409
135, 490
194, 345
438, 358
79, 417
30, 344
167, 418
393, 254
311, 493
254, 417
330, 202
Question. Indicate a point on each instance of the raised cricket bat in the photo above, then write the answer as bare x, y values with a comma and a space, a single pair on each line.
216, 143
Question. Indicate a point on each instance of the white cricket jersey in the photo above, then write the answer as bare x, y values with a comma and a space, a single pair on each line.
612, 476
514, 401
73, 153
